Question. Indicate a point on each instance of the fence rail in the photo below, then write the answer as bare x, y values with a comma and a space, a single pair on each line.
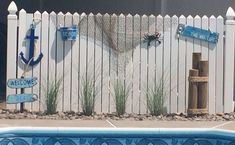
111, 47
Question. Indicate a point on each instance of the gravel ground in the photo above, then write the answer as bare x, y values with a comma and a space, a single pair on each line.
8, 114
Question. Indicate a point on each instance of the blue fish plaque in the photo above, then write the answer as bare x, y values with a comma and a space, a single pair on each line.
22, 83
21, 98
198, 33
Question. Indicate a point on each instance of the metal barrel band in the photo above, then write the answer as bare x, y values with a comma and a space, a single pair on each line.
198, 79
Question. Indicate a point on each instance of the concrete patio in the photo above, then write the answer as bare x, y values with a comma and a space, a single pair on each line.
228, 125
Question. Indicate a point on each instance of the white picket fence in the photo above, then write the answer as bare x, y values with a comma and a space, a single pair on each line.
89, 54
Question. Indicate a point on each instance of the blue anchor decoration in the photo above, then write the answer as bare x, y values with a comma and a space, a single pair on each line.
30, 61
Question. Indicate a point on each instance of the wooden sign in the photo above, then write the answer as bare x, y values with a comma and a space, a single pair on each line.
22, 83
198, 33
21, 98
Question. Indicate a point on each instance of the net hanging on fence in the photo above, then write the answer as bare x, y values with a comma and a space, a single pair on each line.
119, 35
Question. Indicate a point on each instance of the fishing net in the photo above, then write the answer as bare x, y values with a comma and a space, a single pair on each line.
116, 34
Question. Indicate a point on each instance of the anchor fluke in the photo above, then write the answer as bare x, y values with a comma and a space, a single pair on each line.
31, 62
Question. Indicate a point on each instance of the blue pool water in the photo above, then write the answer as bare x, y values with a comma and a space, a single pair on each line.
120, 136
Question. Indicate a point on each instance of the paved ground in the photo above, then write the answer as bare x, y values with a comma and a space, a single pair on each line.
229, 125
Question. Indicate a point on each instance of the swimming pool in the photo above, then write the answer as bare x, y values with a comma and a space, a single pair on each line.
114, 136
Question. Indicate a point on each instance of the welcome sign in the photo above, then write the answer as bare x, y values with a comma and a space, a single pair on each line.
22, 83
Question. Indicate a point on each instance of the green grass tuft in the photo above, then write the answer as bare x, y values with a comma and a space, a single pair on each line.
51, 94
121, 93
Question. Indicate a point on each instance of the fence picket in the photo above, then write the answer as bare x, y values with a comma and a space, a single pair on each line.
98, 58
106, 96
75, 68
36, 69
189, 51
44, 61
212, 69
11, 48
151, 56
182, 71
59, 59
205, 44
166, 60
29, 71
129, 61
219, 105
21, 44
136, 64
143, 65
197, 43
174, 64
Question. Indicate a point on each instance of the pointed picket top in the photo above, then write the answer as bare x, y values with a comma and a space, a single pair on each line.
76, 18
12, 8
190, 17
98, 14
136, 15
37, 12
204, 17
45, 13
114, 15
167, 16
220, 17
52, 13
151, 16
75, 14
106, 15
129, 15
121, 15
182, 17
37, 16
159, 16
174, 16
197, 17
60, 14
83, 14
212, 17
91, 15
22, 11
144, 16
68, 14
230, 13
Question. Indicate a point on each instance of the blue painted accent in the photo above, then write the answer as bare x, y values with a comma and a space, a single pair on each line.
115, 137
30, 59
22, 83
198, 33
21, 98
69, 33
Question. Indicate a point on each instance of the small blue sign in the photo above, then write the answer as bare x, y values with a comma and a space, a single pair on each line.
22, 83
69, 33
198, 33
21, 98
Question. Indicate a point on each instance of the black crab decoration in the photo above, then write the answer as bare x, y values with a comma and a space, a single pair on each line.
152, 37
